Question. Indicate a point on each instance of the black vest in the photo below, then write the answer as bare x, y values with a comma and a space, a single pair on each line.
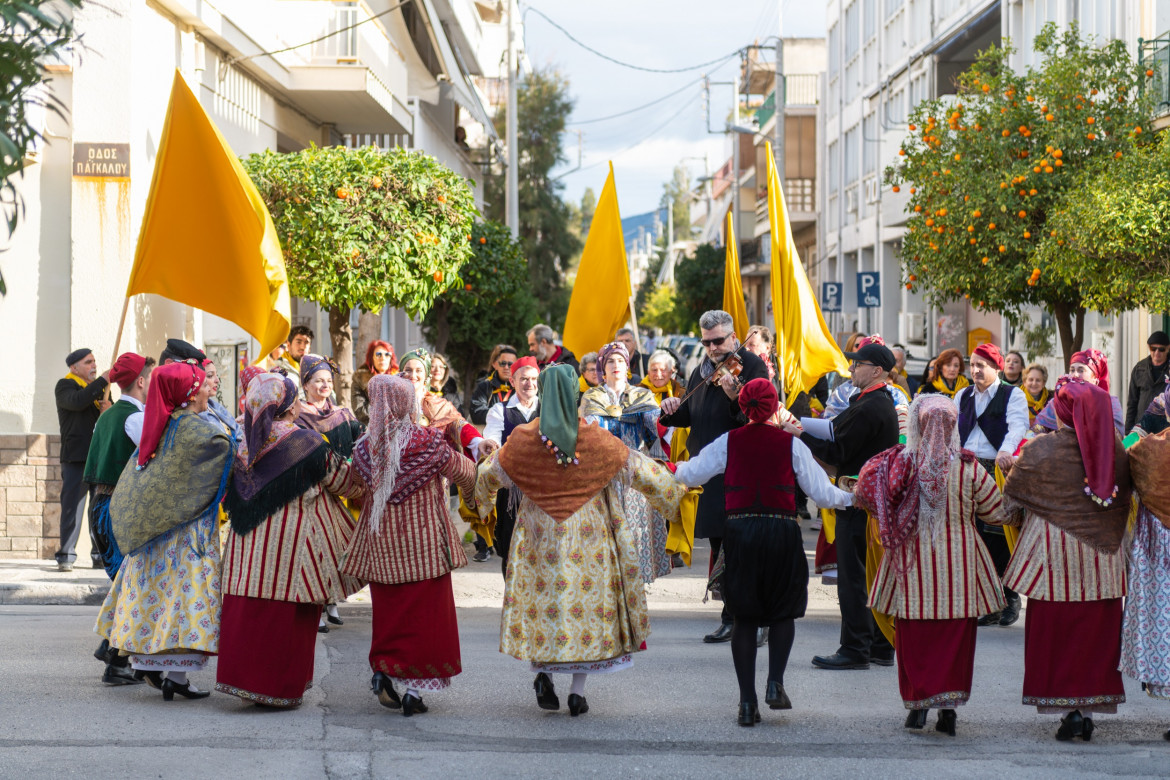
993, 421
513, 417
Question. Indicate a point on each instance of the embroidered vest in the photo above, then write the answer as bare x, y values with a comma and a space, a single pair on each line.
110, 447
513, 417
759, 475
993, 421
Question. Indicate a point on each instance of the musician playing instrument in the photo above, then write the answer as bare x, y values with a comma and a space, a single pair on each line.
710, 412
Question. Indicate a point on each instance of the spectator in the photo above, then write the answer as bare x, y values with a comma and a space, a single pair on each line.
589, 377
898, 372
1035, 392
947, 375
1013, 369
300, 341
79, 396
1148, 378
443, 381
542, 346
380, 359
639, 362
496, 386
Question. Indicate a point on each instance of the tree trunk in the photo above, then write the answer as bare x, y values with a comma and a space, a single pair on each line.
442, 328
341, 335
1070, 324
369, 329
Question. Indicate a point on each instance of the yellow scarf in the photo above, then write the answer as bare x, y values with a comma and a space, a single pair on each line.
660, 393
83, 383
1036, 405
940, 385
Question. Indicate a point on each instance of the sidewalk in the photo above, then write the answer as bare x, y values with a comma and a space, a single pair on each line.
38, 582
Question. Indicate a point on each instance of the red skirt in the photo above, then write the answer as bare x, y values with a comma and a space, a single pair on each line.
825, 558
936, 660
415, 633
266, 650
1071, 653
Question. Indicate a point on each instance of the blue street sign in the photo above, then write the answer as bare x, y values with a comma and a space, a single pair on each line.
869, 289
831, 295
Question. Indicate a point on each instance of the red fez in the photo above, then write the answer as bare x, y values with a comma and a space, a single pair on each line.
126, 369
990, 353
759, 400
525, 362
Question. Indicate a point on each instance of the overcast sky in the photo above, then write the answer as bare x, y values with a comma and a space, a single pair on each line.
655, 34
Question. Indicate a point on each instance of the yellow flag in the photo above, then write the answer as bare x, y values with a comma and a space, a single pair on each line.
207, 239
601, 294
733, 283
804, 347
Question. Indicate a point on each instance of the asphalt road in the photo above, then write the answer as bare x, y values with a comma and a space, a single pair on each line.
672, 715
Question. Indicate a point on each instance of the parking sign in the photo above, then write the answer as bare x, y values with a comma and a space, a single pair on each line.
869, 289
831, 295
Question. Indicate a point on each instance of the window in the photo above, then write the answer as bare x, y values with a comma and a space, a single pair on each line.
834, 165
852, 31
869, 20
892, 6
850, 153
896, 106
834, 45
869, 144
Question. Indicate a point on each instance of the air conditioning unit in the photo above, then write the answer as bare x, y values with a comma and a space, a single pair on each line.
913, 327
873, 192
851, 200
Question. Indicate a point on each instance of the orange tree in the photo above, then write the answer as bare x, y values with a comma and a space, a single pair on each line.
366, 227
987, 167
494, 304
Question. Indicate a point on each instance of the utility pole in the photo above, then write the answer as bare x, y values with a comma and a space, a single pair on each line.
781, 99
734, 237
512, 176
669, 228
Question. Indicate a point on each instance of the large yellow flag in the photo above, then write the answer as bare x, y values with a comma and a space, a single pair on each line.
733, 302
207, 239
601, 294
804, 347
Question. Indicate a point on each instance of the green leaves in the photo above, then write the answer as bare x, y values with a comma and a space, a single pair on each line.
366, 227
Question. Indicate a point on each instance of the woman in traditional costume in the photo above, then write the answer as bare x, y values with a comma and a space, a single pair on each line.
280, 566
631, 414
765, 579
406, 546
947, 375
1035, 392
217, 412
1091, 366
574, 601
435, 410
1145, 635
380, 359
936, 576
1071, 488
163, 608
336, 423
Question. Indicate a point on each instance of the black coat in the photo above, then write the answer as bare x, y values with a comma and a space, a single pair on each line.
77, 416
1146, 382
867, 427
484, 397
709, 413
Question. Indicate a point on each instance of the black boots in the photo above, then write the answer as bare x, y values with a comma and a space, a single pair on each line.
1075, 725
946, 722
916, 719
749, 713
1011, 613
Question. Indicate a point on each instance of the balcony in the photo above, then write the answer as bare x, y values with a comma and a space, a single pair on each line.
801, 90
1155, 55
800, 196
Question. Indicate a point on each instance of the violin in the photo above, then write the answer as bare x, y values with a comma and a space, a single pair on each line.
732, 365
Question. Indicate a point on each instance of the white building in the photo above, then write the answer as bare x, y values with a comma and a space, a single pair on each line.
884, 56
377, 73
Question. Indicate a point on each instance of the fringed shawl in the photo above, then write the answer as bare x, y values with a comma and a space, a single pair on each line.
337, 424
1149, 463
424, 454
286, 471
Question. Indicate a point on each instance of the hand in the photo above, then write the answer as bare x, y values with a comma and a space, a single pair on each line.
104, 404
106, 375
487, 447
730, 385
1004, 460
789, 427
670, 405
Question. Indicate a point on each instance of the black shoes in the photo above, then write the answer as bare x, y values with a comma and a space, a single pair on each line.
102, 653
119, 675
915, 719
878, 660
577, 705
334, 619
383, 686
721, 634
546, 694
1075, 725
170, 688
412, 704
990, 620
761, 636
749, 713
946, 722
153, 679
1011, 613
838, 661
776, 697
482, 556
323, 628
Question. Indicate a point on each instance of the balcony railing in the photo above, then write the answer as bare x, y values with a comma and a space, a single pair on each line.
800, 89
1154, 55
800, 195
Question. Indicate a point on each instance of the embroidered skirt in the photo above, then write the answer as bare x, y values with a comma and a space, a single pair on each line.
415, 633
765, 578
936, 660
266, 650
1145, 639
1071, 653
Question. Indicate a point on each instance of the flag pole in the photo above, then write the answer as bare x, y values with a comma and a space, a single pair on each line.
117, 341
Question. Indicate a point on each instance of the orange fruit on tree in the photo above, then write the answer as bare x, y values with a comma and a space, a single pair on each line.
1091, 136
467, 287
1090, 120
986, 260
1002, 248
1149, 72
977, 214
1031, 192
1023, 214
1049, 118
896, 188
973, 242
1027, 234
482, 240
376, 182
437, 276
342, 193
1057, 153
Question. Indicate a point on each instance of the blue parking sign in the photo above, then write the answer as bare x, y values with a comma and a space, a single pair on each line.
831, 295
869, 289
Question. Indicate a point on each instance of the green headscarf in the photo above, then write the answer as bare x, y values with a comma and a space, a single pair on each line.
558, 412
423, 357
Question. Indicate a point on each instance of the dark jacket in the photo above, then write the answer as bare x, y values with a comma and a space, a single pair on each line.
77, 416
562, 355
639, 367
867, 427
487, 393
709, 413
1146, 382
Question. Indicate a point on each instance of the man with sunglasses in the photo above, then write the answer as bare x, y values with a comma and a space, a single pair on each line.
710, 412
496, 387
868, 426
1147, 379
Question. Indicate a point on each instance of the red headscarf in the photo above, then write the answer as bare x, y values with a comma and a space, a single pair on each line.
372, 348
171, 386
1095, 360
1087, 409
758, 400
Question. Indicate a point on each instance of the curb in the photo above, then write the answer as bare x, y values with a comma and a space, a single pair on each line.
52, 594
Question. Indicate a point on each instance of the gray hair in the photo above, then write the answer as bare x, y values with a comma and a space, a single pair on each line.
542, 333
662, 356
624, 332
896, 348
714, 318
586, 359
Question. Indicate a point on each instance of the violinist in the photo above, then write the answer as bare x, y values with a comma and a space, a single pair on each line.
711, 410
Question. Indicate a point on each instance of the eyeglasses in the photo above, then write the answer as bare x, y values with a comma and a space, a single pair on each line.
383, 354
1159, 349
859, 364
714, 342
506, 363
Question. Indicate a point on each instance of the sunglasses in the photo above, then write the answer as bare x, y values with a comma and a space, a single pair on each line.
1159, 349
714, 342
383, 354
506, 363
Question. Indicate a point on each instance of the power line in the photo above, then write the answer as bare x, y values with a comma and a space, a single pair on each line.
638, 108
586, 47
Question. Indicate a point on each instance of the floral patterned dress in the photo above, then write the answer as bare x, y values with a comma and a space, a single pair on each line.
1145, 635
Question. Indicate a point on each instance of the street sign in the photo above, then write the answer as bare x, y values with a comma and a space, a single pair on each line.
869, 289
831, 295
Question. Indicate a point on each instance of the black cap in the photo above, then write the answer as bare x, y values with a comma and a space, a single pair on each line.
80, 354
1158, 339
878, 354
177, 349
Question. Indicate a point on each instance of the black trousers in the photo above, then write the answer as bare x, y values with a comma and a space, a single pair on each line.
860, 637
73, 491
505, 524
994, 539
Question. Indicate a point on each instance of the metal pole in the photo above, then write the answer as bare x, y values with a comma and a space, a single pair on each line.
669, 227
512, 179
781, 99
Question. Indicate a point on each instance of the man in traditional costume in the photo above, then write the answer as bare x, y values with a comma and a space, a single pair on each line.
711, 410
79, 396
406, 546
1071, 491
289, 527
114, 438
867, 427
574, 601
936, 576
765, 579
163, 608
993, 420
